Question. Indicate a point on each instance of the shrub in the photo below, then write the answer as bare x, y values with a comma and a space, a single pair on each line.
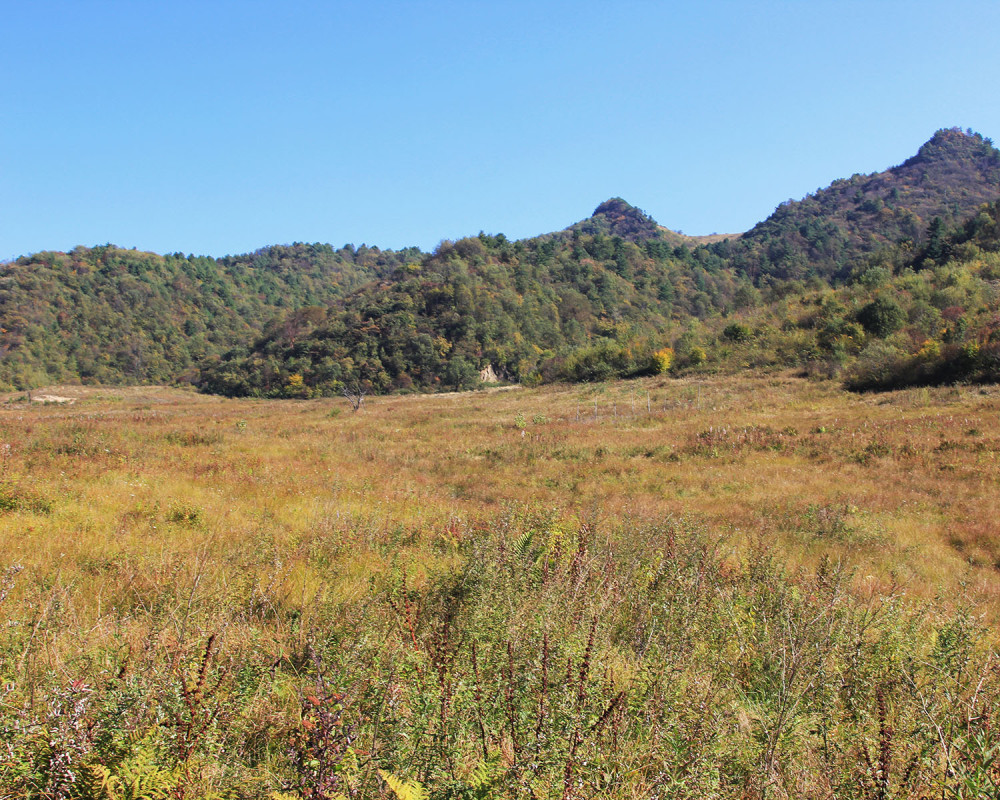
879, 366
18, 498
882, 366
737, 332
295, 387
663, 359
929, 350
882, 316
601, 362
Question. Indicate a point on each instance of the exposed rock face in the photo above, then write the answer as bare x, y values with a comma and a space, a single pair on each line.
488, 375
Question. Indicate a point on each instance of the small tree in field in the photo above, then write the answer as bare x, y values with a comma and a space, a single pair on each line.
355, 396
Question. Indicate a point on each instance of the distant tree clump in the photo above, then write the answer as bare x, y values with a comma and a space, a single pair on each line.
882, 316
737, 332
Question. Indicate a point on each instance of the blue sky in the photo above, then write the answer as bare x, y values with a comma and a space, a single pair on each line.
219, 127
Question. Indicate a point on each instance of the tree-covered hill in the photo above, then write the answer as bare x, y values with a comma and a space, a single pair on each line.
591, 307
834, 230
108, 315
858, 278
616, 217
522, 308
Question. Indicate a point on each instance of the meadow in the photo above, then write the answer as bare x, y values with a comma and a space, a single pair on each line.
740, 587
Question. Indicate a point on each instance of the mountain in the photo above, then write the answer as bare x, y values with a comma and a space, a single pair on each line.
109, 315
849, 223
616, 217
872, 267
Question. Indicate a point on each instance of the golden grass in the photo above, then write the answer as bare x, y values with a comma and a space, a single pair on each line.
144, 493
293, 547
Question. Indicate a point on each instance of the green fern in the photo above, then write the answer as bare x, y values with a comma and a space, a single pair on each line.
522, 543
482, 778
404, 790
136, 779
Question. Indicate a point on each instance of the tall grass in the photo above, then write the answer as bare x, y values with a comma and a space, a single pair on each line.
756, 589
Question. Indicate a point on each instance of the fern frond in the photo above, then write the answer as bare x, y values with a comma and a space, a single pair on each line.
522, 543
145, 779
402, 789
139, 778
481, 776
97, 782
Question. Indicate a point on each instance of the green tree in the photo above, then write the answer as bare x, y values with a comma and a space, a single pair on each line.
936, 235
882, 316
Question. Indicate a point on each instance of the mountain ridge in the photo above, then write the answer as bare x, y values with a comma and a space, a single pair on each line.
836, 229
595, 299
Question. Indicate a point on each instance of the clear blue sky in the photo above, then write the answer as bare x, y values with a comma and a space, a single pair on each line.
219, 127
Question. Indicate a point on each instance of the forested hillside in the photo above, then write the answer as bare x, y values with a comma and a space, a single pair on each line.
582, 306
884, 278
885, 215
107, 315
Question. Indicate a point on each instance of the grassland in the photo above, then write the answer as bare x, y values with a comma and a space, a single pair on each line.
751, 587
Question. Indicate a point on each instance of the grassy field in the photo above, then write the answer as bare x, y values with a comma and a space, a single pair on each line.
743, 587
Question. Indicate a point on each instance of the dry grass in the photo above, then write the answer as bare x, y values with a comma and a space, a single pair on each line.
899, 486
213, 582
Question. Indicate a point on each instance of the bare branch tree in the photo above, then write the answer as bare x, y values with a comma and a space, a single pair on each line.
355, 396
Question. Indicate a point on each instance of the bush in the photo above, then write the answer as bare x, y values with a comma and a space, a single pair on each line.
18, 498
737, 332
609, 360
882, 366
882, 316
879, 366
697, 356
663, 359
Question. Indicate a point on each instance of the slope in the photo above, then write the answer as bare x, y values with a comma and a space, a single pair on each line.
477, 302
850, 222
108, 315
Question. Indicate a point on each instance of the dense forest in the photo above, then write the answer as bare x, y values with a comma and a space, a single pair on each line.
107, 315
885, 279
885, 215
